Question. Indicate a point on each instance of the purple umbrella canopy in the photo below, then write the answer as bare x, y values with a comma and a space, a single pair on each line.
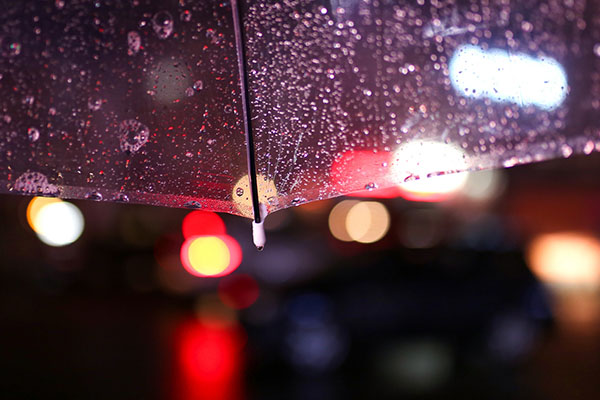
221, 105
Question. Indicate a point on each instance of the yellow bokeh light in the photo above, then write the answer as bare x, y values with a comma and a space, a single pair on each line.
34, 207
208, 255
242, 198
337, 220
56, 223
566, 259
367, 222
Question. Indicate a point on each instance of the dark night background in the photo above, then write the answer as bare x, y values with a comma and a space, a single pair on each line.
115, 315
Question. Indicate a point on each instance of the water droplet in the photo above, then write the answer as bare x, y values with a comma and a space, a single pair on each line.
121, 198
10, 47
94, 196
371, 186
566, 150
33, 134
298, 201
272, 200
162, 23
132, 135
134, 42
597, 49
239, 191
59, 4
29, 100
189, 92
526, 26
35, 183
94, 104
227, 108
511, 162
186, 16
193, 204
198, 85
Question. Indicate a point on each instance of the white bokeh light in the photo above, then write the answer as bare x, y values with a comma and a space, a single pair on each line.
367, 221
436, 167
58, 224
502, 76
484, 185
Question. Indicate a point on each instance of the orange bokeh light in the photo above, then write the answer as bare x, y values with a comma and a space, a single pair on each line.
34, 207
566, 259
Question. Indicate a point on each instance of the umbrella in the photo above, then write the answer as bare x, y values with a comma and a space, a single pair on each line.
250, 107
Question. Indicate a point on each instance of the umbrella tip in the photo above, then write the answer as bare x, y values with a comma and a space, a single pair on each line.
258, 230
258, 235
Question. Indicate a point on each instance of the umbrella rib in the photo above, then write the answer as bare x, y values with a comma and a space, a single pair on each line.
245, 95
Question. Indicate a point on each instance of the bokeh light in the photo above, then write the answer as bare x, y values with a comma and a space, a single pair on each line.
367, 169
566, 259
209, 360
242, 198
417, 367
367, 221
57, 223
314, 341
211, 256
359, 221
238, 291
507, 77
34, 207
337, 220
199, 223
484, 185
435, 169
171, 277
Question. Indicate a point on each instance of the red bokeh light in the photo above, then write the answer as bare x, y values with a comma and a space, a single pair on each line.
238, 291
209, 360
199, 223
360, 168
386, 193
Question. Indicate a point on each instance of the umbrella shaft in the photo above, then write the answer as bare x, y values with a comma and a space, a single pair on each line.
245, 95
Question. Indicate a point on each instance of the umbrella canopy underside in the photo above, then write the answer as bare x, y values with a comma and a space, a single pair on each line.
140, 101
